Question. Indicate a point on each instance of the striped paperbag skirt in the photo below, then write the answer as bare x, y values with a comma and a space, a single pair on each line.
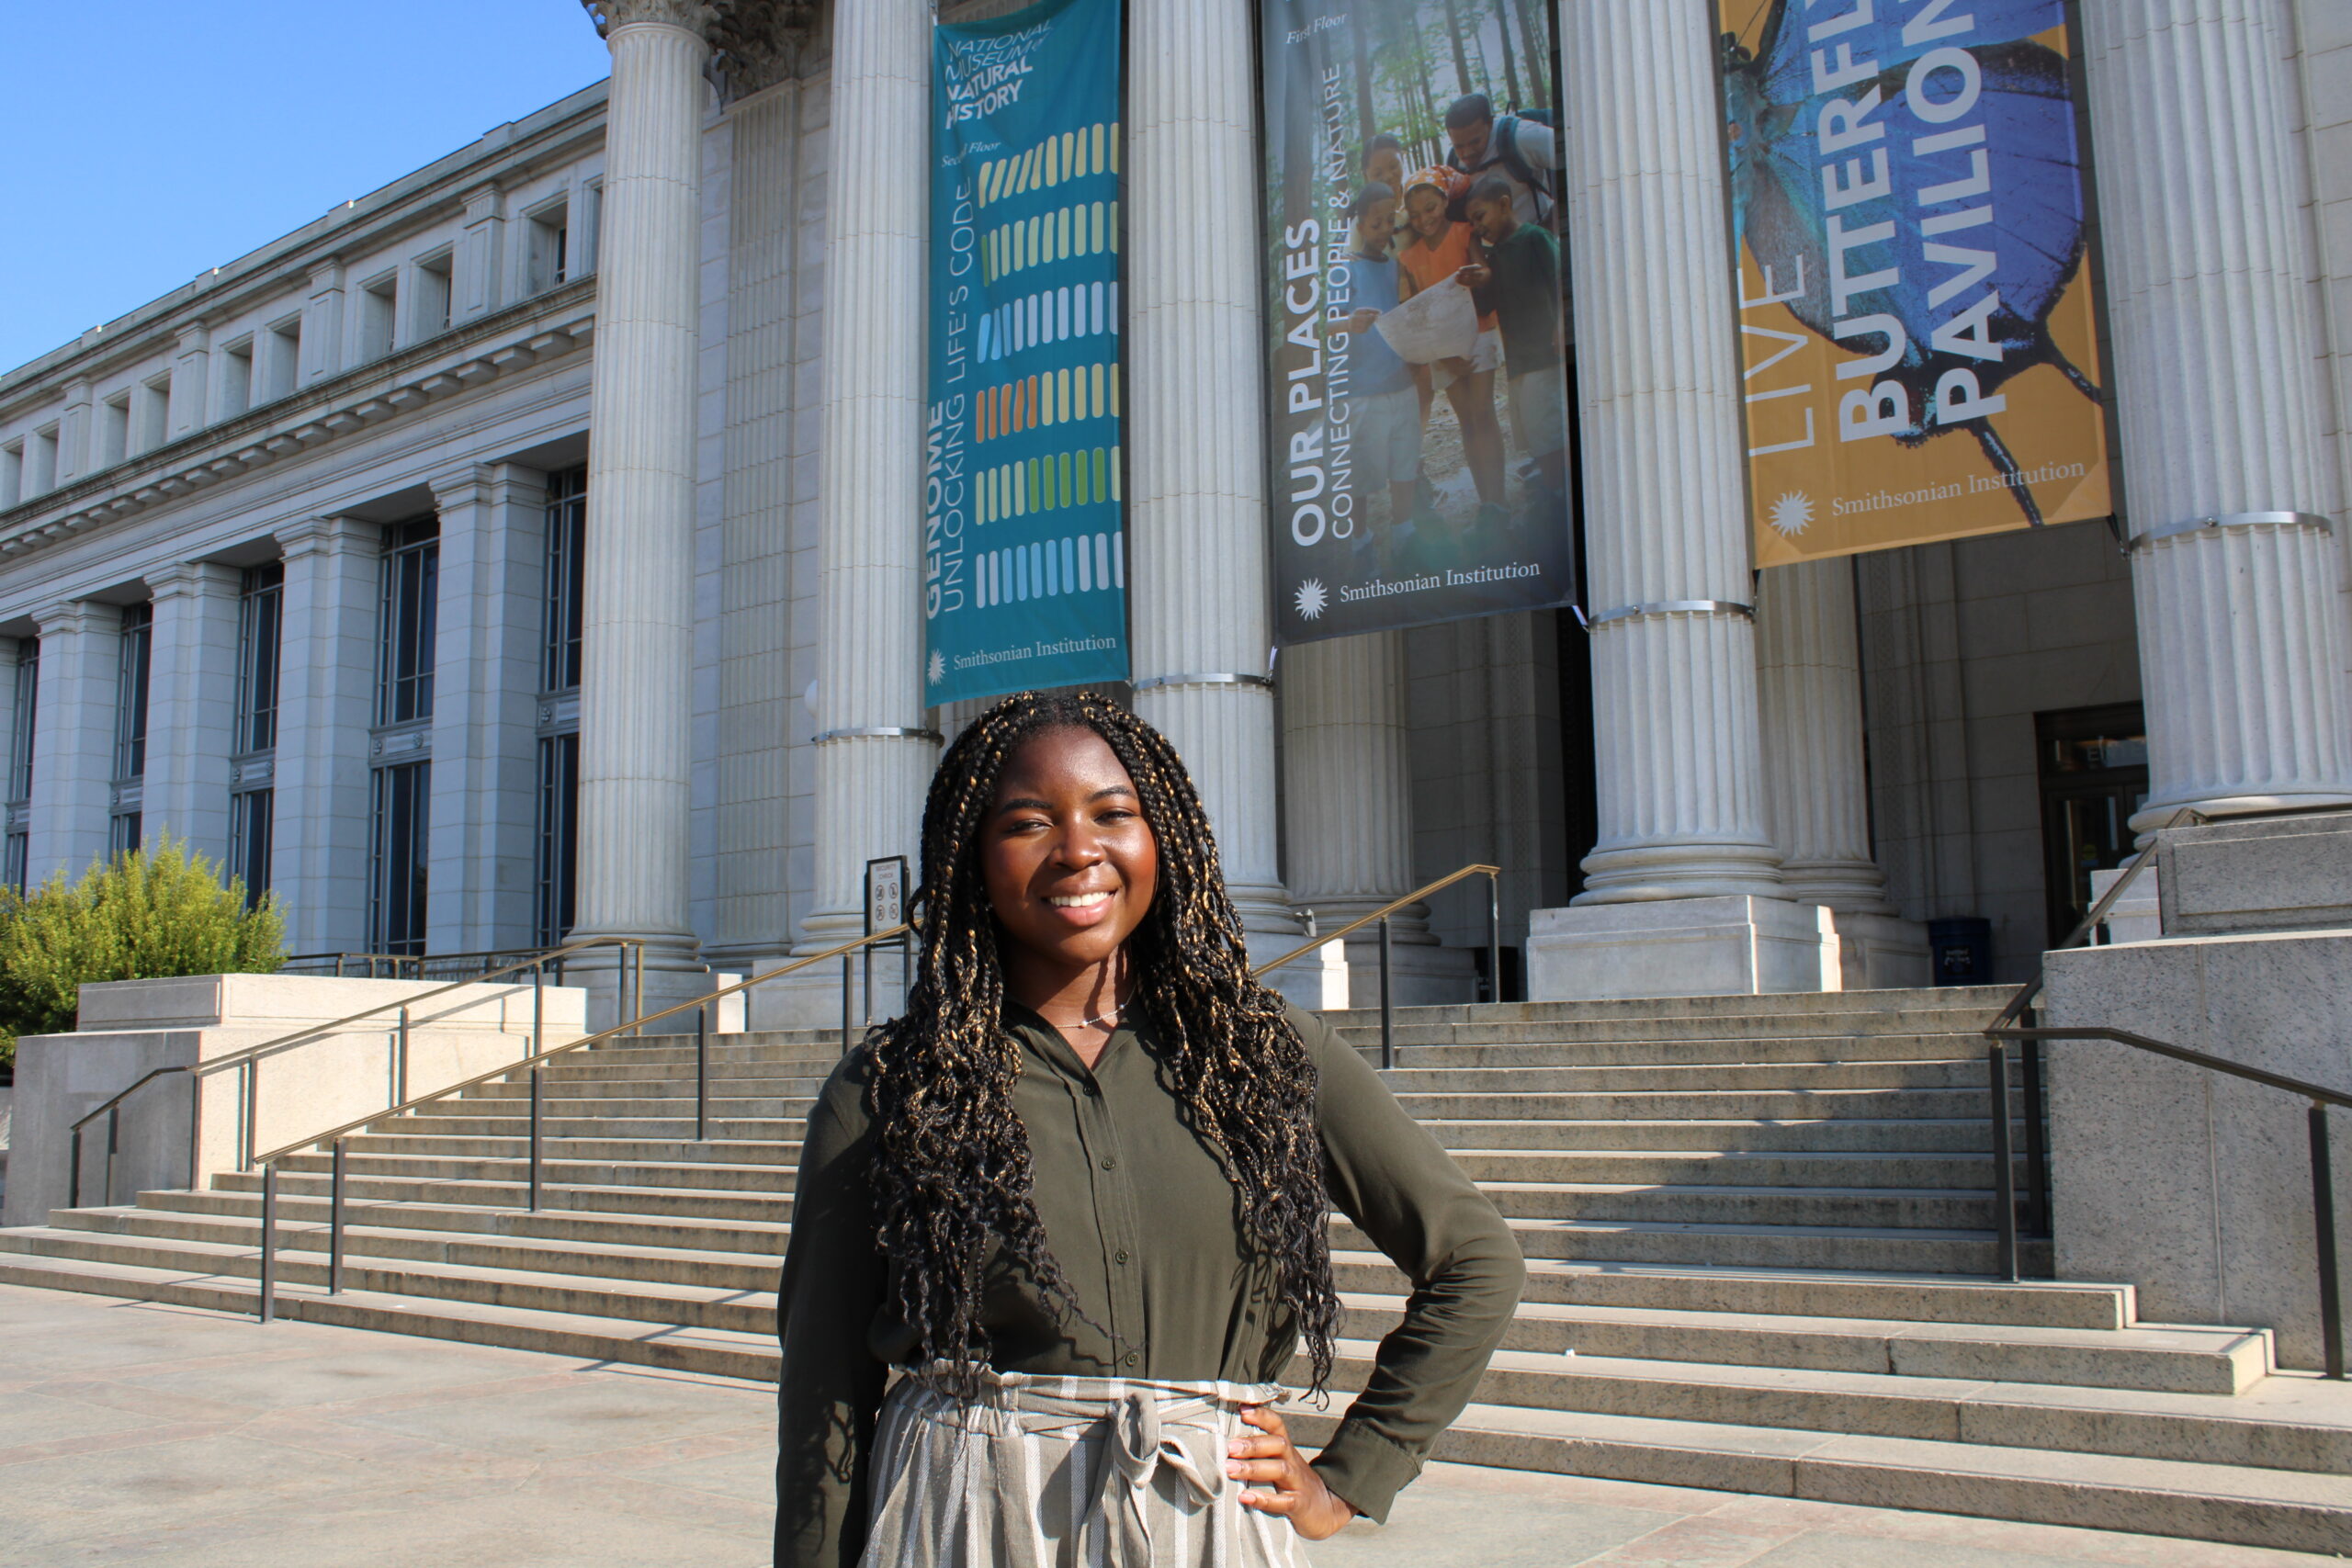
1068, 1472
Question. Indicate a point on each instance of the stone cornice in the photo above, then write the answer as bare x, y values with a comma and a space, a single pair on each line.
546, 327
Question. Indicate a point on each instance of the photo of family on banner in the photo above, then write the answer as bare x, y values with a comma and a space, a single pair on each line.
1418, 322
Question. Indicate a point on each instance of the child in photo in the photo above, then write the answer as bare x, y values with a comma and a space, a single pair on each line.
1520, 283
1439, 249
1387, 417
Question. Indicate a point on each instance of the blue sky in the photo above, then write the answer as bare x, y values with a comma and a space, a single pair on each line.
148, 141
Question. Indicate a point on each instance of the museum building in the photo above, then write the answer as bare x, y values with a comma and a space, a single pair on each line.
532, 547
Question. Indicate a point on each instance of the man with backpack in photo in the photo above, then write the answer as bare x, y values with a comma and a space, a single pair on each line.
1520, 148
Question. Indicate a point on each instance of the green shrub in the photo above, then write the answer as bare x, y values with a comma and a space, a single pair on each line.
139, 916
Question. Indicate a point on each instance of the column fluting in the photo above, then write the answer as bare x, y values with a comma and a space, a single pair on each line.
1809, 679
2217, 351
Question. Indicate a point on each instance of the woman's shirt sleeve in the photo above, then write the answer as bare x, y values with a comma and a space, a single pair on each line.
829, 1390
1387, 1174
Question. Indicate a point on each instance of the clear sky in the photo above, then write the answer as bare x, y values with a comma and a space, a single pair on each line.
148, 141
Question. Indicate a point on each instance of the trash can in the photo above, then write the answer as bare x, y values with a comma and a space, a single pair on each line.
1962, 951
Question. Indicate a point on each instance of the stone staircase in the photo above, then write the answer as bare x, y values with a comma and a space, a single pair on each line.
1759, 1233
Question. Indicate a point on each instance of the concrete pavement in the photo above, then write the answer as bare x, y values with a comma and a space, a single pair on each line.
136, 1434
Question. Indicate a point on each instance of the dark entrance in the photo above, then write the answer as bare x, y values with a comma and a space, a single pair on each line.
2094, 766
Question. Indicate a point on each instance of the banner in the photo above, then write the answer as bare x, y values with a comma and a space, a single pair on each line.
1415, 310
1917, 320
1025, 556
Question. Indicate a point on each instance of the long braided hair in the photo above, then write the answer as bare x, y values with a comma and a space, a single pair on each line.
952, 1170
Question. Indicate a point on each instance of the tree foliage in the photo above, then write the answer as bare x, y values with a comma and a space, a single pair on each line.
147, 914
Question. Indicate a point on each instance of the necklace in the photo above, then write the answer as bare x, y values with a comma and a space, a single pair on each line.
1090, 1022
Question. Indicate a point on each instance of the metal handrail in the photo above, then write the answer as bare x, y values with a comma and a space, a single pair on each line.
534, 1063
2095, 917
2330, 1299
1493, 873
416, 961
245, 1059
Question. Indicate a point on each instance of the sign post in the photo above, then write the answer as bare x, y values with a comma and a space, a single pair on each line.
885, 906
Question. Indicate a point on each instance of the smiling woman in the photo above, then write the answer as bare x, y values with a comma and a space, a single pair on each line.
1059, 1231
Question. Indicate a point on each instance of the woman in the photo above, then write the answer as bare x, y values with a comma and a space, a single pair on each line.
1077, 1198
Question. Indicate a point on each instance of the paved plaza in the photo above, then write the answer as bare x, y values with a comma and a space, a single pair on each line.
132, 1433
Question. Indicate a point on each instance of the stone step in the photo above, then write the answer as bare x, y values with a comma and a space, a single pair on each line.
684, 1232
2288, 1510
1684, 1040
716, 1151
1854, 1135
1706, 1167
555, 1168
1874, 1250
1819, 1292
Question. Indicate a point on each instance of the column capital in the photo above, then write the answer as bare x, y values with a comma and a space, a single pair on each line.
692, 16
466, 485
328, 536
486, 200
193, 579
69, 615
194, 338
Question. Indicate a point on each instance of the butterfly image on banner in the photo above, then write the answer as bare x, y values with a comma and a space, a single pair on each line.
2027, 165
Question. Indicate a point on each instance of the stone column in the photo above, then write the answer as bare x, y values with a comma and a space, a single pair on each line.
191, 705
2217, 348
326, 701
1348, 842
1816, 798
636, 695
321, 325
73, 737
483, 815
1197, 463
191, 382
874, 756
1681, 892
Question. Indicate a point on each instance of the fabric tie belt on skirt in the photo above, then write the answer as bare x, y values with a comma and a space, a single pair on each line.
1137, 1428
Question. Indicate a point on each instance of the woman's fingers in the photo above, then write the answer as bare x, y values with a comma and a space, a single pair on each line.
1282, 1503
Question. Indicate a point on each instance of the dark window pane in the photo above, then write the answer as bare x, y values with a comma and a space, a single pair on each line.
251, 822
259, 634
130, 691
559, 844
565, 603
398, 889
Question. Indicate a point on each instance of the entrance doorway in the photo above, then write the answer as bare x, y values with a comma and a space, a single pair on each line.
2094, 767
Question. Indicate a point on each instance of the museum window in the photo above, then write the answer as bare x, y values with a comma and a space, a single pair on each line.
378, 312
15, 853
563, 605
236, 379
397, 862
559, 835
435, 291
41, 463
133, 660
113, 443
250, 814
411, 586
548, 234
281, 365
12, 474
152, 413
260, 610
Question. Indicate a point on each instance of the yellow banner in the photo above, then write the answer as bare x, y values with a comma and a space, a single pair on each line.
1917, 313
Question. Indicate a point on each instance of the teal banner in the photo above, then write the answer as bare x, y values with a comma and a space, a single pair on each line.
1025, 554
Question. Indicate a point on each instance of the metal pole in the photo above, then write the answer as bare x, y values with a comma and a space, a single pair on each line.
338, 966
846, 1023
2037, 1144
2004, 1194
399, 1065
335, 1226
538, 1076
268, 1241
2330, 1284
702, 1073
1387, 1013
74, 1175
539, 1005
251, 1073
1494, 938
114, 1141
639, 995
905, 969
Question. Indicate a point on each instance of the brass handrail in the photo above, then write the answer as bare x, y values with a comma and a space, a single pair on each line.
111, 1107
533, 1065
1387, 1010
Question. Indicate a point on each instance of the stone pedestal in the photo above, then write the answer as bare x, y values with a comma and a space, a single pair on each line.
2192, 1186
1680, 947
2279, 873
2216, 332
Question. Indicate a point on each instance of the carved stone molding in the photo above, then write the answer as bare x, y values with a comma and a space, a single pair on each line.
693, 14
754, 43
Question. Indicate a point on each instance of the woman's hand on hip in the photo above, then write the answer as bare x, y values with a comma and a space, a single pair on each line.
1298, 1494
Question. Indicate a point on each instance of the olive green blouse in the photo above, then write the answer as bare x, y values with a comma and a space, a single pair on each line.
1144, 1222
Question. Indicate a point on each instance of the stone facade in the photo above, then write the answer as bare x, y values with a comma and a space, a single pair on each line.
649, 289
